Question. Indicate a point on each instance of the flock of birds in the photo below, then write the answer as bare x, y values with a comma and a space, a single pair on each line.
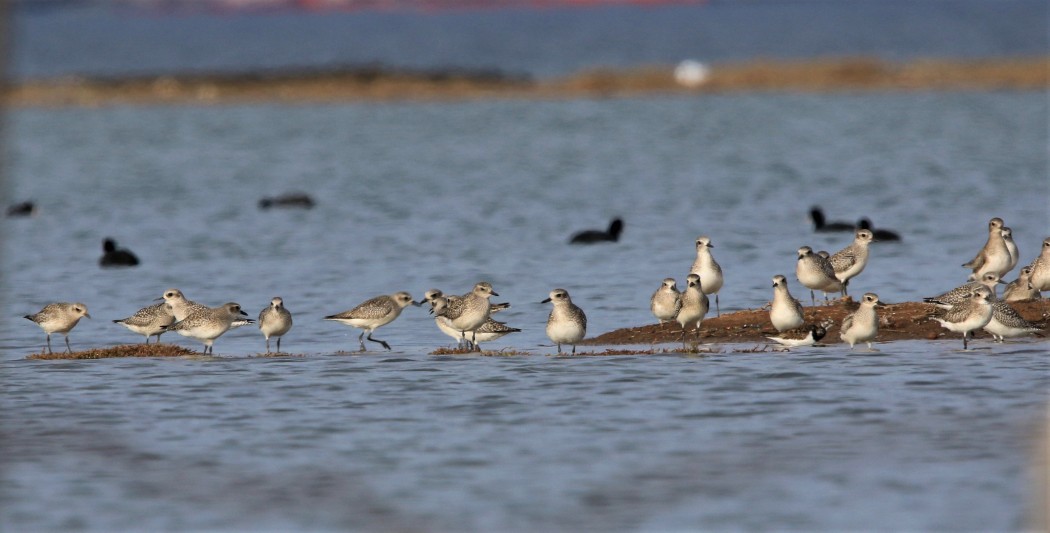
468, 317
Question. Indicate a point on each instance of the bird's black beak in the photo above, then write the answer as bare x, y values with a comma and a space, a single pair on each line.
546, 301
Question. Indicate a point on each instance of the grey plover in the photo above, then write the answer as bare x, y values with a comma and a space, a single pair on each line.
116, 257
880, 234
1011, 248
962, 292
59, 317
815, 273
694, 305
970, 314
592, 236
708, 269
1007, 322
487, 332
785, 312
994, 256
803, 336
862, 325
468, 312
666, 301
1021, 288
1040, 277
567, 323
374, 313
209, 323
821, 225
180, 306
274, 321
149, 321
851, 260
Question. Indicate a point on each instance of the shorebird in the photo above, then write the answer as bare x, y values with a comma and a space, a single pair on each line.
694, 305
374, 313
880, 234
708, 269
970, 314
149, 321
1040, 277
994, 257
862, 325
59, 317
851, 260
116, 257
666, 301
180, 306
816, 273
567, 323
1021, 288
1011, 248
786, 312
209, 323
274, 321
489, 331
1007, 322
962, 292
821, 225
592, 236
469, 311
804, 336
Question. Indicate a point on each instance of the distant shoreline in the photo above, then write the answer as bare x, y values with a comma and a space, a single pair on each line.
381, 84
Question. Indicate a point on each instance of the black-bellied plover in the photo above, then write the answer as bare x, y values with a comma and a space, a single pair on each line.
1040, 277
666, 301
880, 234
468, 312
708, 269
209, 323
862, 325
851, 260
816, 273
59, 317
994, 256
180, 306
821, 224
592, 236
149, 321
1021, 289
374, 313
567, 323
803, 336
970, 314
489, 331
785, 312
695, 305
1011, 248
1007, 322
962, 292
116, 257
274, 321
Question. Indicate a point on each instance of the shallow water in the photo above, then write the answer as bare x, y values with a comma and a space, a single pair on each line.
410, 196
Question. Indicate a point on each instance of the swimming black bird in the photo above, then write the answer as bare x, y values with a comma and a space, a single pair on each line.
23, 209
816, 214
880, 234
116, 257
291, 199
592, 236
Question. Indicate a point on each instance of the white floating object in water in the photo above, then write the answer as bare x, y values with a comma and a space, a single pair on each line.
691, 73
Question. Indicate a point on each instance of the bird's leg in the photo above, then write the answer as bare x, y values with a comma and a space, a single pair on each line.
49, 343
267, 345
278, 345
69, 349
385, 345
360, 338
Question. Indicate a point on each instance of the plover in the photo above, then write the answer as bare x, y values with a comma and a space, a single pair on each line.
666, 301
209, 323
970, 314
880, 234
1040, 277
803, 336
851, 260
786, 312
708, 269
862, 325
1021, 288
468, 312
1011, 248
821, 225
962, 292
274, 321
149, 321
567, 323
59, 317
374, 313
694, 305
489, 331
816, 273
116, 257
994, 257
180, 306
1007, 322
592, 236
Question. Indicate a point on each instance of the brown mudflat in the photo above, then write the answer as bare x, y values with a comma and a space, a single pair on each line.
902, 321
124, 350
